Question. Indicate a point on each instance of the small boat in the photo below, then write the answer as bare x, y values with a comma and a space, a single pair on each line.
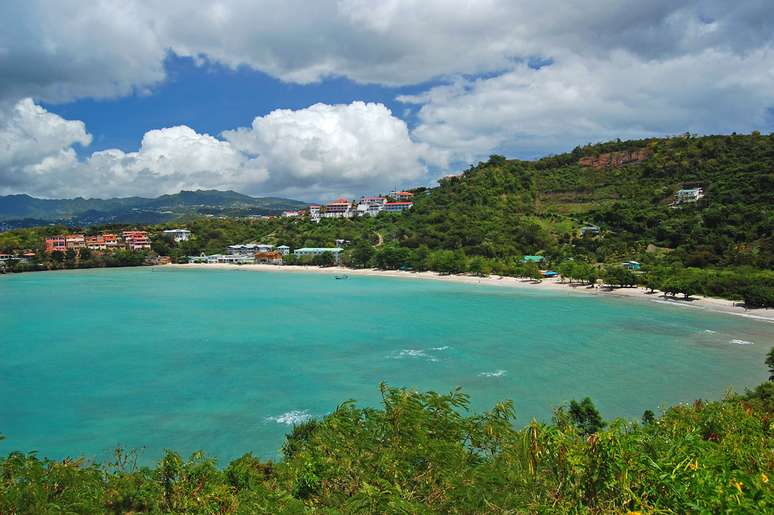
342, 277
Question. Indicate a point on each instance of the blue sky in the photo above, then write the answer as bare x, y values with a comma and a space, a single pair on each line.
211, 98
315, 100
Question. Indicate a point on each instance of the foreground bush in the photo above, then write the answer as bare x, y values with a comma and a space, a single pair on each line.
422, 452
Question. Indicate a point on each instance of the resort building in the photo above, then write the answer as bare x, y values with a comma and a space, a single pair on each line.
248, 249
136, 240
75, 241
314, 213
96, 243
222, 258
236, 260
370, 206
532, 259
284, 250
631, 265
99, 242
66, 242
319, 251
268, 258
56, 244
178, 234
397, 207
111, 241
402, 196
686, 196
339, 208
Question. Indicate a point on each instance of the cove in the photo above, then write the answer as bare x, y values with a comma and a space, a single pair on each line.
226, 360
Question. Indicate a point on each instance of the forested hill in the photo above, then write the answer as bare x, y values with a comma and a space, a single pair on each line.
509, 207
503, 209
80, 211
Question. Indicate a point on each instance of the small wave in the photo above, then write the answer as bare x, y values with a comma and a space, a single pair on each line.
496, 373
291, 417
710, 331
741, 342
412, 353
445, 347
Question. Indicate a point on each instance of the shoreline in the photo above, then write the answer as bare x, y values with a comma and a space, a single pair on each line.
709, 304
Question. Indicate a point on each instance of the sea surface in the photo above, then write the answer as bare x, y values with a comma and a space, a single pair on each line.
227, 360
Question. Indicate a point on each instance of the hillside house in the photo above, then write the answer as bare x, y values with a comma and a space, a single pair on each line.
631, 265
178, 234
136, 240
402, 196
339, 208
397, 207
589, 229
689, 195
319, 251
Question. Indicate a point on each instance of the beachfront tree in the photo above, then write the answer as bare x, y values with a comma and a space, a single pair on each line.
324, 259
566, 270
532, 271
478, 266
361, 255
770, 363
591, 275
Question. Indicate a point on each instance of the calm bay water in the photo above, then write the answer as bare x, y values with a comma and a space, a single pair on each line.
224, 360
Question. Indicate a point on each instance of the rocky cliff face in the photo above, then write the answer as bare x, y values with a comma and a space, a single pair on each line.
615, 159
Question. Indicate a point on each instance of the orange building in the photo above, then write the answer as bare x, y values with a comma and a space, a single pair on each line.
136, 240
66, 242
56, 244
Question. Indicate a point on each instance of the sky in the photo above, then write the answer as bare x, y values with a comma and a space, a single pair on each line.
316, 100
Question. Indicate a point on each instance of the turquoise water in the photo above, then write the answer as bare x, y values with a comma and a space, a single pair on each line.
224, 360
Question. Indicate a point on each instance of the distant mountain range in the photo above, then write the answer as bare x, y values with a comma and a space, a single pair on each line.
26, 211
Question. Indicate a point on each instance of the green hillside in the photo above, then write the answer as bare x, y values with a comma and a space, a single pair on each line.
80, 211
503, 208
484, 219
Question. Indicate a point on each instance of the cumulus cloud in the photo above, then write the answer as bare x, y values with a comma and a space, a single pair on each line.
314, 152
33, 142
327, 147
58, 50
530, 111
37, 157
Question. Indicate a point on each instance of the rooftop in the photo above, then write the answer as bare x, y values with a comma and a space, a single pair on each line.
320, 249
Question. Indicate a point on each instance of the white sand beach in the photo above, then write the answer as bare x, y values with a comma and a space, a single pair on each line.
696, 302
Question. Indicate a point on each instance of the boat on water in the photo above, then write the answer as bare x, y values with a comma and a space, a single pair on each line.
342, 277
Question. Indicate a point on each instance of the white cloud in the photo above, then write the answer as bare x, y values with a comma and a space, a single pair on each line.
170, 160
310, 153
57, 50
574, 101
34, 141
345, 148
616, 68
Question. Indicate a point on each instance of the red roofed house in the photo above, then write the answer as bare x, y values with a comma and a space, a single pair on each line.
136, 240
56, 244
402, 196
339, 208
397, 207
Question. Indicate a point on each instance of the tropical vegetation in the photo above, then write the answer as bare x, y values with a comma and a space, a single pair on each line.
425, 453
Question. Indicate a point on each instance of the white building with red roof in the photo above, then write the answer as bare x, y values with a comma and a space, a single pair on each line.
339, 208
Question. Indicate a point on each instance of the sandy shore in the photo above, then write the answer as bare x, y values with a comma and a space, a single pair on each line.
697, 302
